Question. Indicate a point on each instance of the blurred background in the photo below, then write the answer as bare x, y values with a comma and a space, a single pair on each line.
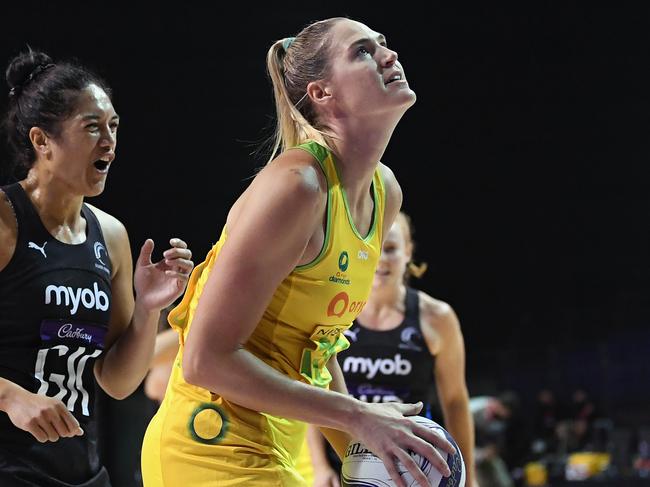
523, 165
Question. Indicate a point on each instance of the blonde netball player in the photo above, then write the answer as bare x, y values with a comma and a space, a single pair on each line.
264, 315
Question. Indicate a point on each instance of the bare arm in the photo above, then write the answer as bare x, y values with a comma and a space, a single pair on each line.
165, 348
324, 474
450, 380
282, 211
8, 231
133, 323
264, 244
393, 198
338, 439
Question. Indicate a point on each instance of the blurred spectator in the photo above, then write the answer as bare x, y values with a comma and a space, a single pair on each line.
583, 414
545, 421
642, 460
491, 420
575, 431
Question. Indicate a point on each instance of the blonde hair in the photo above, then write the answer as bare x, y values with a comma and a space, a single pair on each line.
293, 63
412, 269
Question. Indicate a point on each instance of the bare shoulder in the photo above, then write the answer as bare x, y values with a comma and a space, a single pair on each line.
299, 168
8, 230
439, 324
393, 193
393, 189
113, 229
115, 236
293, 180
436, 312
7, 216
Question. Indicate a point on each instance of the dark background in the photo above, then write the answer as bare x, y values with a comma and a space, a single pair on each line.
523, 163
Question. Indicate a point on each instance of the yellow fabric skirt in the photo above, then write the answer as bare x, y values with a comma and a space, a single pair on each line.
200, 440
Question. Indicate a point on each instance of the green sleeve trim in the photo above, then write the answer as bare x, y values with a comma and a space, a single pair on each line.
375, 209
319, 153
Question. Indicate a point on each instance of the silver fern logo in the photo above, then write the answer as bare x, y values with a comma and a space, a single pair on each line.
99, 248
408, 337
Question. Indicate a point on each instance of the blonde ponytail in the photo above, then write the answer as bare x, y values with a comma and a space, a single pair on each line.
412, 269
292, 128
292, 63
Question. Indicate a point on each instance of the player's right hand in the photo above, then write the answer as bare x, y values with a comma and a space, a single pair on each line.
386, 431
45, 418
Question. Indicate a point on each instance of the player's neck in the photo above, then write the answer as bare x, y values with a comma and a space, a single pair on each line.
386, 298
358, 151
54, 204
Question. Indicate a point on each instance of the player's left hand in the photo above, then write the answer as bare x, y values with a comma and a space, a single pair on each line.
159, 284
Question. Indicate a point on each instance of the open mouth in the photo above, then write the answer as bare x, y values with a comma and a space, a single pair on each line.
101, 165
397, 77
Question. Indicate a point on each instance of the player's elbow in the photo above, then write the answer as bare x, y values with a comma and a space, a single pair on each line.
116, 391
194, 368
202, 367
458, 400
116, 385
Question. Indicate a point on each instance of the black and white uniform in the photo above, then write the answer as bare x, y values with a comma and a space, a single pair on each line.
393, 365
55, 303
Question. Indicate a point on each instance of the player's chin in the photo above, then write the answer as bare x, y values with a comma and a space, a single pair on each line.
410, 98
379, 281
405, 100
95, 189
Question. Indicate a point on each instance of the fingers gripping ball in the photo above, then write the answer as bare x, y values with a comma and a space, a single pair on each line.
361, 468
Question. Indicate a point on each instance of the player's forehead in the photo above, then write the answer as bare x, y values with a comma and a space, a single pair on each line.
347, 32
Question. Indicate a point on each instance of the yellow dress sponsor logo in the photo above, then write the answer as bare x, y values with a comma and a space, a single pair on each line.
341, 277
340, 304
208, 424
329, 341
344, 261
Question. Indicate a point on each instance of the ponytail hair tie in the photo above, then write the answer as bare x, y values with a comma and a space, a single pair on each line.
286, 43
38, 70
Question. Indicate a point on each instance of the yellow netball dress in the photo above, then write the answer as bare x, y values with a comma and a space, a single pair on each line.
201, 439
